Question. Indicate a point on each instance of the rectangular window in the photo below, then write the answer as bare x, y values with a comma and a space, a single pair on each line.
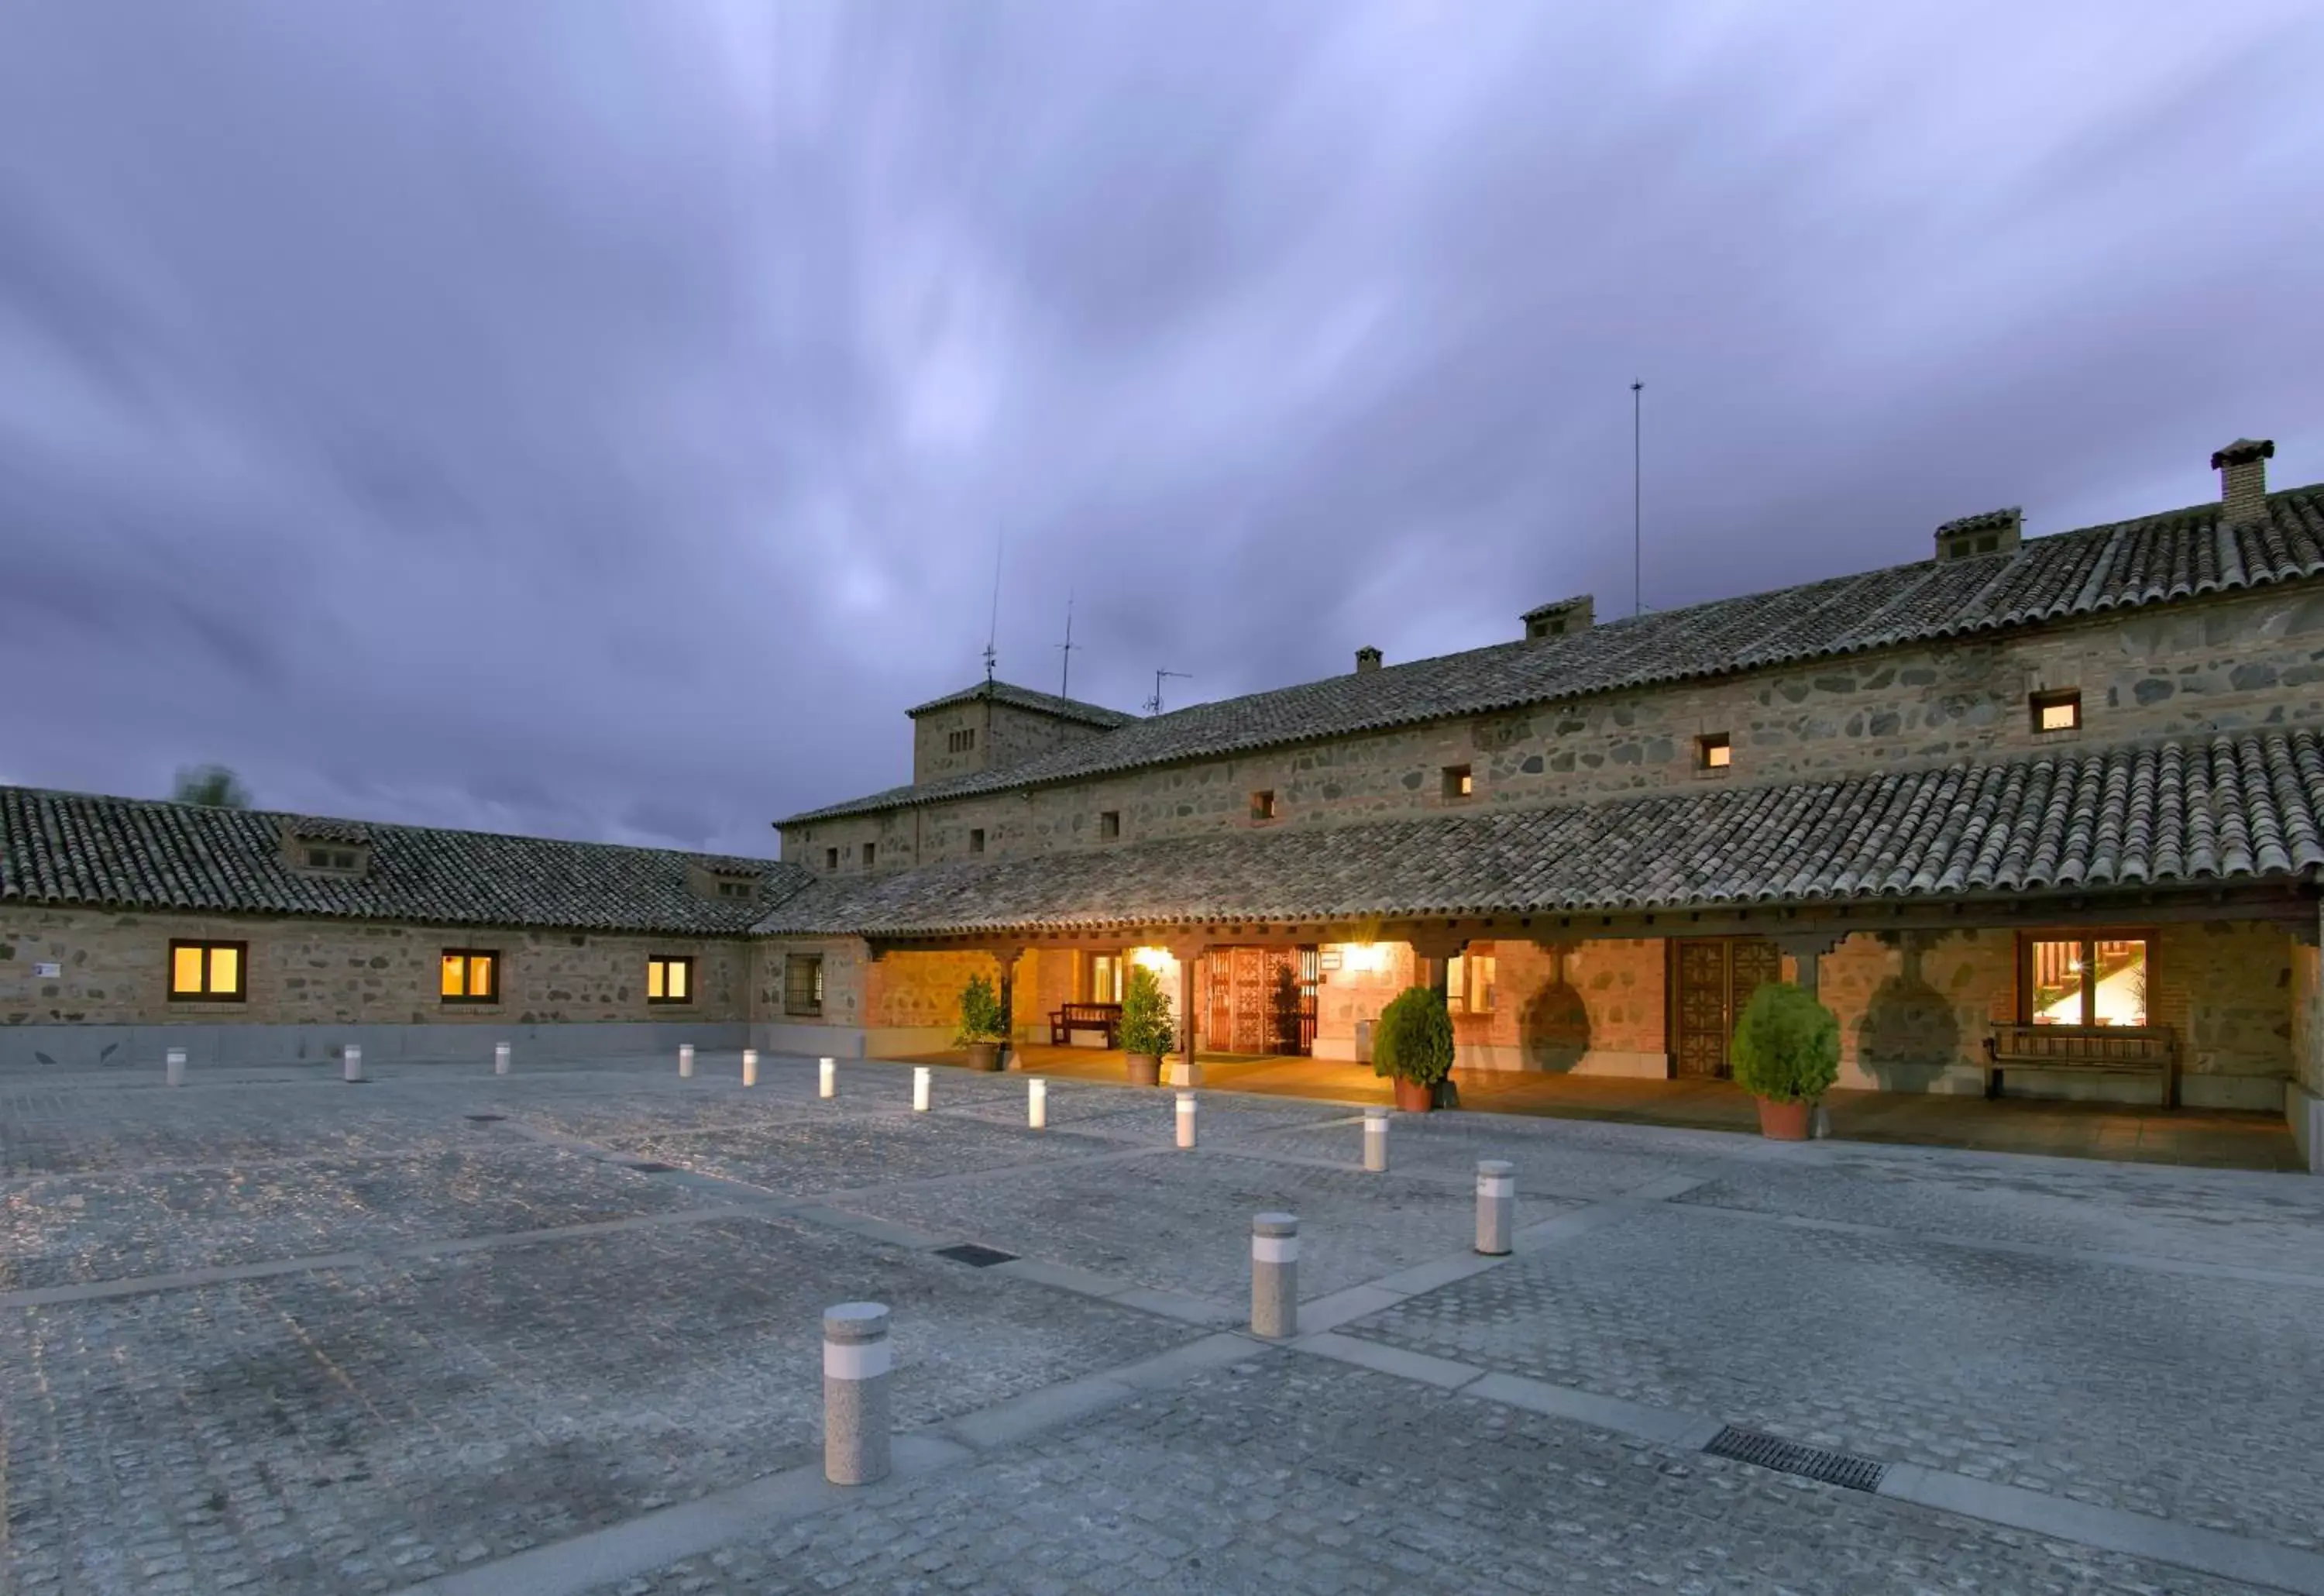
976, 839
2058, 712
1262, 804
1105, 978
962, 742
1713, 751
471, 976
871, 852
831, 859
1108, 823
1460, 782
1471, 980
208, 971
670, 979
2084, 980
803, 984
331, 859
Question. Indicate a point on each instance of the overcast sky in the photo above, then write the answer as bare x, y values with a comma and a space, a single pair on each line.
599, 420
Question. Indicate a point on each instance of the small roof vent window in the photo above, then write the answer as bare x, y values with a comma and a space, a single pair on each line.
1557, 620
1997, 531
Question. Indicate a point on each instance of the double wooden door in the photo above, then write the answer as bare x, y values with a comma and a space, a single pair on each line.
1260, 999
1712, 978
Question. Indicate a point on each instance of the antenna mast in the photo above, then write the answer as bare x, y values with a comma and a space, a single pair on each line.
1637, 517
992, 635
1154, 704
1067, 647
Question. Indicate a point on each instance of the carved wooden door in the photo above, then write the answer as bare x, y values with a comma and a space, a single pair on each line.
1713, 978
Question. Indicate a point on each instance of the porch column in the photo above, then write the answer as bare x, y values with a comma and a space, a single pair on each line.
1008, 958
1436, 951
1186, 1072
1806, 950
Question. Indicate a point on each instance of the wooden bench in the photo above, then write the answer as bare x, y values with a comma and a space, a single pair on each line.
2109, 1049
1103, 1017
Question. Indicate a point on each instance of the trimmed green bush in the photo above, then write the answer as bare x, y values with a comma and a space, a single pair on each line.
1786, 1046
1146, 1025
981, 1019
1413, 1039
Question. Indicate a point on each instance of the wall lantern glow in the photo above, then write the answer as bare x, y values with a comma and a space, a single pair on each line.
1155, 959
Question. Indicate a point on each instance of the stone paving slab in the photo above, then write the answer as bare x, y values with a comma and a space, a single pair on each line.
1549, 1161
1299, 1476
70, 1229
839, 1151
1181, 1221
61, 1131
360, 1430
2195, 1399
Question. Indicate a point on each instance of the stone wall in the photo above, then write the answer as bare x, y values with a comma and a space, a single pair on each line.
1005, 734
2224, 664
113, 969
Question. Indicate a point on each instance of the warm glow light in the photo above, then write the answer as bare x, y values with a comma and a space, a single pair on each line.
654, 967
1363, 958
185, 971
2060, 718
226, 970
1717, 755
1155, 959
456, 975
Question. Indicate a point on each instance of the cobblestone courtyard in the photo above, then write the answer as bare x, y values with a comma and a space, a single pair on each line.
558, 1333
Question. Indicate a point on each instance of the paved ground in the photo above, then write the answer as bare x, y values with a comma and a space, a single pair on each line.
557, 1332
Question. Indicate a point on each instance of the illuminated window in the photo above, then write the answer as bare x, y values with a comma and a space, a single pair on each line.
1470, 980
1460, 782
1108, 823
976, 839
669, 980
1713, 751
803, 984
831, 859
1262, 804
207, 971
471, 976
2085, 980
1105, 978
2057, 711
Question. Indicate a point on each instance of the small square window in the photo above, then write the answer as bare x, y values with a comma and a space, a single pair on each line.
1713, 751
736, 889
1262, 804
471, 975
2059, 711
803, 984
670, 979
1108, 823
976, 839
871, 852
961, 742
1460, 781
208, 971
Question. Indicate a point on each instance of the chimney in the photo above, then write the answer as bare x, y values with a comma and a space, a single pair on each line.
2242, 466
1556, 620
1368, 659
1997, 531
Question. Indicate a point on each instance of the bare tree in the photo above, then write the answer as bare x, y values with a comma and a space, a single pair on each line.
214, 786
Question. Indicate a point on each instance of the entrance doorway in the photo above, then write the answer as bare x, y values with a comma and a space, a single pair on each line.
1260, 999
1711, 980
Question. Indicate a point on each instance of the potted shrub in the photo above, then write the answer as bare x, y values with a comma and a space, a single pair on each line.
1146, 1030
1787, 1055
983, 1030
1412, 1045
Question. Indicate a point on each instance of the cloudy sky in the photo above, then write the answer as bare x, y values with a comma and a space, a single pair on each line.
601, 420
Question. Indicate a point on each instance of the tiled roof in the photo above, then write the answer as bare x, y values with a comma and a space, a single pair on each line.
2224, 808
69, 848
317, 828
2153, 560
1072, 709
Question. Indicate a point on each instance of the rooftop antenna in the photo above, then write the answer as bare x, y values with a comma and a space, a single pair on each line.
992, 636
1067, 647
1154, 704
1637, 517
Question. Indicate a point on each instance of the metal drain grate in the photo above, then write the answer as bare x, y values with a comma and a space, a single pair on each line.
1789, 1457
487, 1119
975, 1257
652, 1168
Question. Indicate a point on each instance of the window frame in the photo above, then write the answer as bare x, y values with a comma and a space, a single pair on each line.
976, 839
811, 1006
2036, 704
868, 854
1264, 806
1462, 982
2088, 937
208, 945
1108, 823
468, 996
1457, 783
684, 961
1710, 743
831, 861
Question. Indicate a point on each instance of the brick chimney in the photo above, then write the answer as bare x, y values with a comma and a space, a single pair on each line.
2242, 466
1368, 659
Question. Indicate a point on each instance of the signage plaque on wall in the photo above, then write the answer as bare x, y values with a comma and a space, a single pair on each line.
47, 971
1329, 959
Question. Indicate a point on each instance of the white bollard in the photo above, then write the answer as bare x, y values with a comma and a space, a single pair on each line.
173, 1066
1496, 1206
1186, 1118
1376, 1139
1274, 1275
500, 1058
686, 1061
1036, 1103
826, 1077
749, 1066
855, 1363
351, 1062
920, 1076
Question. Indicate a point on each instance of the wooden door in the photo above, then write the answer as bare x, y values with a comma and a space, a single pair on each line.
1260, 999
1712, 978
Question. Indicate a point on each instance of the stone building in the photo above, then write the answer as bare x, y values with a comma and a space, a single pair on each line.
2033, 816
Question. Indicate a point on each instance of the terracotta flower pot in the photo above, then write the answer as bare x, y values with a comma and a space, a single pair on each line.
1144, 1069
1784, 1122
984, 1056
1414, 1097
